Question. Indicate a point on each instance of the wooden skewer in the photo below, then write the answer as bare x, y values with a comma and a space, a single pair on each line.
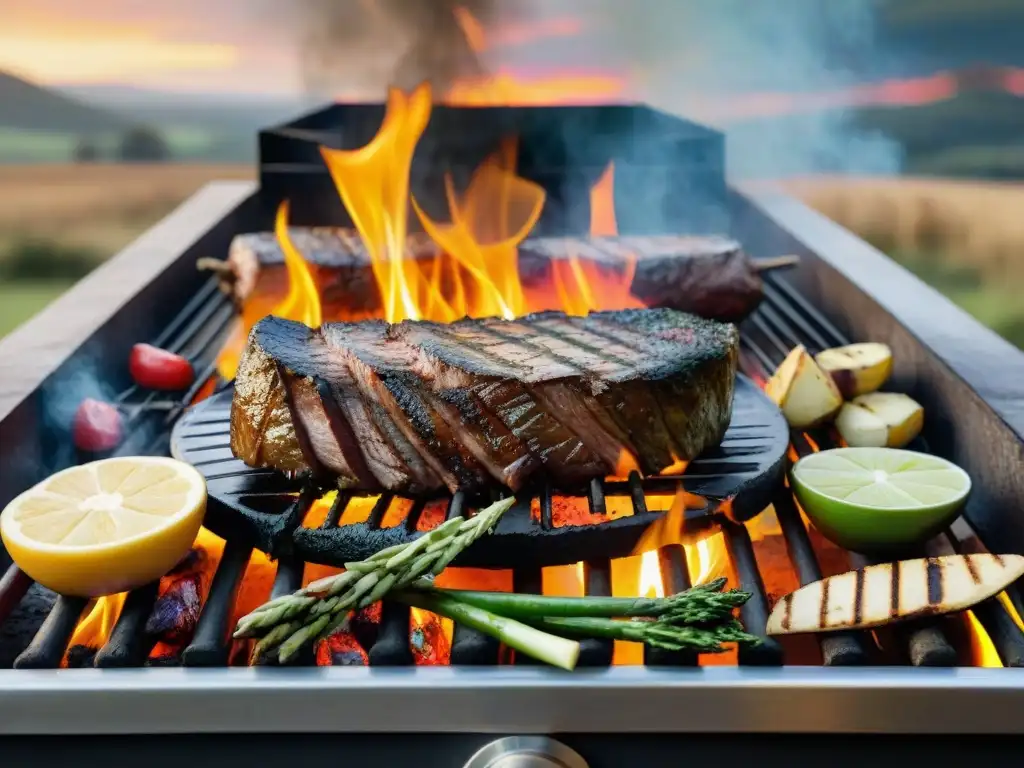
219, 267
776, 262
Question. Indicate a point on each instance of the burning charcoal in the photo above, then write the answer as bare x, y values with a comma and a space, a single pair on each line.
23, 623
80, 657
341, 650
430, 645
365, 625
176, 611
192, 562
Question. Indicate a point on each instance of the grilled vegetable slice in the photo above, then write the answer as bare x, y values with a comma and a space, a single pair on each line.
155, 368
879, 419
857, 368
96, 426
805, 393
890, 592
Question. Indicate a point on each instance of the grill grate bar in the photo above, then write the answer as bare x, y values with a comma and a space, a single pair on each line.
784, 319
47, 649
392, 647
128, 644
13, 586
211, 643
926, 642
597, 582
471, 647
755, 611
839, 648
675, 578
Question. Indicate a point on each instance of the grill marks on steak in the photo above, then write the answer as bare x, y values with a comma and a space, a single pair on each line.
507, 368
416, 406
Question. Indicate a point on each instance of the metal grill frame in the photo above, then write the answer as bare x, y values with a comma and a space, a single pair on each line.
528, 700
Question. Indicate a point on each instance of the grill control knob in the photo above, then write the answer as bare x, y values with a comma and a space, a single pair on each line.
526, 752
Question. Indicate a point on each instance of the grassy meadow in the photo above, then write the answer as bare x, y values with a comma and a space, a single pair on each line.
57, 222
964, 238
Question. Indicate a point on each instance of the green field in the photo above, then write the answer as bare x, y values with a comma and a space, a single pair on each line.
185, 143
21, 300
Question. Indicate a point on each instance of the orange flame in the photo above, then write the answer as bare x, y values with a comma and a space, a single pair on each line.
301, 303
94, 629
477, 274
373, 183
303, 300
496, 214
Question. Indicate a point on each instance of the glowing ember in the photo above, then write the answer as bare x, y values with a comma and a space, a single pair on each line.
650, 582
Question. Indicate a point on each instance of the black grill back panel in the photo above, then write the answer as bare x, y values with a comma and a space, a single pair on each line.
669, 173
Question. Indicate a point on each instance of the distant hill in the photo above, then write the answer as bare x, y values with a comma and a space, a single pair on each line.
206, 111
26, 106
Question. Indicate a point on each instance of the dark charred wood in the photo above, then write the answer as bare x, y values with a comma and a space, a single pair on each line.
175, 613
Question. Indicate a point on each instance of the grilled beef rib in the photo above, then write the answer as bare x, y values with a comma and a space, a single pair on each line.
417, 406
709, 276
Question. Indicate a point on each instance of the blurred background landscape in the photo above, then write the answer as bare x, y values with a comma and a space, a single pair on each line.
903, 120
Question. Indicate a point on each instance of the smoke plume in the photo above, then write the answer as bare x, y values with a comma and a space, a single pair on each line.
362, 46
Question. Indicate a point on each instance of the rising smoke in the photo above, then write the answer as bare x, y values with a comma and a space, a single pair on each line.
362, 46
698, 58
704, 59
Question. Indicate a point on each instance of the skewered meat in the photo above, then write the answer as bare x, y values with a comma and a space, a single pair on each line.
708, 276
417, 406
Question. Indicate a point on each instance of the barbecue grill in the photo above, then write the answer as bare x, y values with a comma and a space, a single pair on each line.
922, 678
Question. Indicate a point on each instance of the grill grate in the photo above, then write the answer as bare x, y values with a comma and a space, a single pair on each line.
257, 504
784, 319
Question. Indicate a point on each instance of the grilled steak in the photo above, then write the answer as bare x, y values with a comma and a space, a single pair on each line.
417, 406
708, 276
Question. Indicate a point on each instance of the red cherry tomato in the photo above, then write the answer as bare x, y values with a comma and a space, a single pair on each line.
96, 427
155, 368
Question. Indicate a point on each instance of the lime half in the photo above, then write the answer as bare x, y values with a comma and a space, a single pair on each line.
868, 499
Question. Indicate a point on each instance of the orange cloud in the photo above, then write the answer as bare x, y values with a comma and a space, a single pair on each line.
105, 56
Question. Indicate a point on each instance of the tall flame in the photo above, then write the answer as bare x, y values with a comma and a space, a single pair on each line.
303, 301
374, 186
494, 216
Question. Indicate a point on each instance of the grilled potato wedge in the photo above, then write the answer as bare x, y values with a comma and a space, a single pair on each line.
880, 419
805, 393
857, 368
891, 592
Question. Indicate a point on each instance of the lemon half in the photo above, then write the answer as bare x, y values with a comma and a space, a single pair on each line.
105, 527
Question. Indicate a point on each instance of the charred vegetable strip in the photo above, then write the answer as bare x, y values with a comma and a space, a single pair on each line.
551, 649
703, 604
659, 634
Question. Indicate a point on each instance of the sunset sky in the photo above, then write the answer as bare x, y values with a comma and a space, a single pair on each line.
189, 45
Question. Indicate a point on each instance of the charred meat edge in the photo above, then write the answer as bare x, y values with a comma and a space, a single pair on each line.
275, 420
